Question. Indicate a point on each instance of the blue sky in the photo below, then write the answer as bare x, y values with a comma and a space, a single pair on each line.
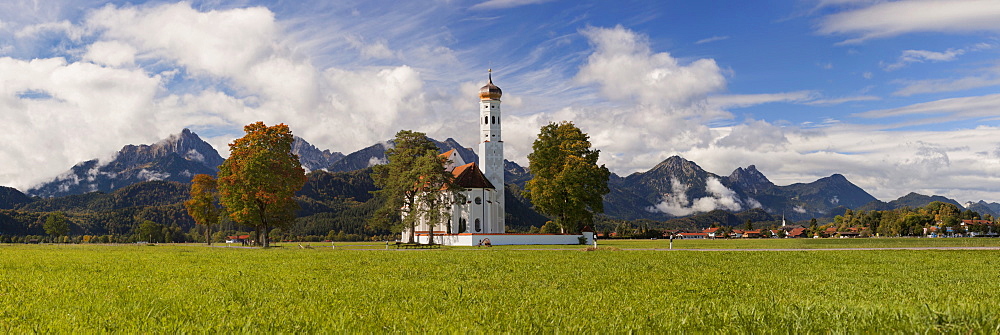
898, 96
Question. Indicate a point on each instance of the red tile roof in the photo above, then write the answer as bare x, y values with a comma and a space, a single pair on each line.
797, 232
977, 222
469, 176
710, 230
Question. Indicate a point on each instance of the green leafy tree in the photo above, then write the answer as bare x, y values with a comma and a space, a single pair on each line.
399, 181
749, 225
56, 224
203, 206
150, 231
438, 191
568, 185
549, 228
257, 182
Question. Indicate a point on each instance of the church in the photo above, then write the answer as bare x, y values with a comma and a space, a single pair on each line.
477, 215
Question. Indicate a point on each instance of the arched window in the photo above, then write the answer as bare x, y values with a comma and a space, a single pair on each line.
486, 120
478, 226
463, 225
494, 119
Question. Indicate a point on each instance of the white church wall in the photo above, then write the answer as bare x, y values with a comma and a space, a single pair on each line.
506, 239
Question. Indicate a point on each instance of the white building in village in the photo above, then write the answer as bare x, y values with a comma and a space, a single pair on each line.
479, 216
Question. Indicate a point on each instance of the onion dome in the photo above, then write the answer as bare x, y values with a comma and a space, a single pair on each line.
490, 91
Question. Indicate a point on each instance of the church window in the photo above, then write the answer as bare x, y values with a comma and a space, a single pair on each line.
479, 201
478, 226
486, 120
494, 118
463, 225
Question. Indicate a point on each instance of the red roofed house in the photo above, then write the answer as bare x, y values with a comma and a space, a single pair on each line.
796, 233
241, 239
712, 232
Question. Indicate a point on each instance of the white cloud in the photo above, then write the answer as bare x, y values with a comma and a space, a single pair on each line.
914, 87
64, 27
712, 39
378, 50
887, 19
746, 100
959, 163
920, 56
720, 197
110, 53
755, 135
152, 175
500, 4
837, 101
624, 68
965, 107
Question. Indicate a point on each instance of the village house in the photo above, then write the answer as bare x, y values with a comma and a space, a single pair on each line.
712, 232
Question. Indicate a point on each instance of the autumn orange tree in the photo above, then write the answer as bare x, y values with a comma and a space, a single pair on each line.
258, 181
204, 203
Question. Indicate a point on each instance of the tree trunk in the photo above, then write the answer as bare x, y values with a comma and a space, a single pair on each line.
413, 229
430, 233
267, 237
208, 234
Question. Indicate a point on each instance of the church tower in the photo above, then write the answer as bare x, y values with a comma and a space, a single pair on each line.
491, 150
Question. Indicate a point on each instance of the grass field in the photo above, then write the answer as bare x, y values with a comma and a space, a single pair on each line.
748, 244
193, 288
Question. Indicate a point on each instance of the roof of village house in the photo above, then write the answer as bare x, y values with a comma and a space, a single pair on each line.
469, 176
710, 230
977, 222
796, 232
692, 234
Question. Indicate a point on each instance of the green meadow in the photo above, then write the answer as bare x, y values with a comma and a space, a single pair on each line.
361, 287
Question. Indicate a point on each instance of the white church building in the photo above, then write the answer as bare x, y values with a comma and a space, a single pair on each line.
479, 216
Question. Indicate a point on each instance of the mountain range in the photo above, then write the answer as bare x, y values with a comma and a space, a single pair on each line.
674, 188
176, 158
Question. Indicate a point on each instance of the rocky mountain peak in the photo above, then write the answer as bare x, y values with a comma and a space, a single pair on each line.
187, 144
175, 158
750, 179
312, 158
678, 165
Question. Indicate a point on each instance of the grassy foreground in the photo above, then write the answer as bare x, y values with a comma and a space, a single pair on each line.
72, 288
